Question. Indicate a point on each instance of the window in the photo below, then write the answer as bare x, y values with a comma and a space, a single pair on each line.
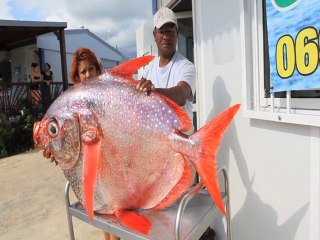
267, 80
300, 107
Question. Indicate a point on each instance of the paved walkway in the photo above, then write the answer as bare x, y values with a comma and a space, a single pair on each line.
32, 201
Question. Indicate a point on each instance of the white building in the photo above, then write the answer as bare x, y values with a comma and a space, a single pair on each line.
74, 39
18, 48
272, 149
25, 42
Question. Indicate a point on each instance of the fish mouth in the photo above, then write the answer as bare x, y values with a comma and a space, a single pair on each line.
68, 162
48, 154
36, 139
38, 143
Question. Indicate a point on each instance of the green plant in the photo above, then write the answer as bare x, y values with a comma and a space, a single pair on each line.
16, 133
5, 134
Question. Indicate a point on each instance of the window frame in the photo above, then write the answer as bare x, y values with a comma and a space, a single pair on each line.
257, 103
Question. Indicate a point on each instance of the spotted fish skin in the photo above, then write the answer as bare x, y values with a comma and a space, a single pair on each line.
122, 149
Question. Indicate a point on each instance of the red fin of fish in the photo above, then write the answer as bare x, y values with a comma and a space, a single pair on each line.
134, 221
185, 123
179, 188
129, 67
210, 137
90, 164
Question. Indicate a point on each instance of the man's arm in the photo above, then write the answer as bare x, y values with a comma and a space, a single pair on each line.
179, 94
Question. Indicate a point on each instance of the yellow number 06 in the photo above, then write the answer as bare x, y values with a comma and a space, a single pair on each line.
303, 54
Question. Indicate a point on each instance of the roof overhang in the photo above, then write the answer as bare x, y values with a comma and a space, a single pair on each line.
14, 33
180, 5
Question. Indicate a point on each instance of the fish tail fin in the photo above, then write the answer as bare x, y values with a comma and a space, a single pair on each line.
134, 221
209, 138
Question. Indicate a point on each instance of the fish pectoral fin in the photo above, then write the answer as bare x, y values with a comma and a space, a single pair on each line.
91, 157
89, 127
134, 221
91, 143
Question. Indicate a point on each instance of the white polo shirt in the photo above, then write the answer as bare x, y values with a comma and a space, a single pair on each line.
168, 76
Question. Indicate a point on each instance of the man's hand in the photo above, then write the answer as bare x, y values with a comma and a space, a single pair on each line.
179, 94
145, 85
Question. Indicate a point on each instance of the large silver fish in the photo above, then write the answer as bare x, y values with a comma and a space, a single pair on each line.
124, 150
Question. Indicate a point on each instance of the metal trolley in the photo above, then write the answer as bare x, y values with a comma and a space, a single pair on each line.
187, 219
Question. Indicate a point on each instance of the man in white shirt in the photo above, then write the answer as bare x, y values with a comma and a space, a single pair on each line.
171, 74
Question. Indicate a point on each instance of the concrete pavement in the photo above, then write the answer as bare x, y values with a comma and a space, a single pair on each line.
32, 201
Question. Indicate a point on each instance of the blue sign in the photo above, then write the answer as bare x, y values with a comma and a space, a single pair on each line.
294, 41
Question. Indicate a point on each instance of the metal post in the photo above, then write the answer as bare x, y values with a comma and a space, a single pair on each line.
188, 196
63, 59
228, 215
67, 201
182, 205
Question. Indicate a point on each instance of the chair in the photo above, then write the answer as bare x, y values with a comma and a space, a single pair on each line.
187, 219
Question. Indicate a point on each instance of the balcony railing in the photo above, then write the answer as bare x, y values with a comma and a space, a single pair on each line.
12, 94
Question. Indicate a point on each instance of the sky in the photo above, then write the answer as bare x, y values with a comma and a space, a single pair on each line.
114, 21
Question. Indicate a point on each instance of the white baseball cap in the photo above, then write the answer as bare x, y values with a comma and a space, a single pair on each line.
164, 15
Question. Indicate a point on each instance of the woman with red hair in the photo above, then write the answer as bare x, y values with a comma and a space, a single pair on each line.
84, 65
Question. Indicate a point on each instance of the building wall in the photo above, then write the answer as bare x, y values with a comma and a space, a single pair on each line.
54, 59
271, 165
108, 64
75, 39
21, 58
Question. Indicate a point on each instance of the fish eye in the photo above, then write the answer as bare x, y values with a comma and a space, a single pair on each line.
53, 128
